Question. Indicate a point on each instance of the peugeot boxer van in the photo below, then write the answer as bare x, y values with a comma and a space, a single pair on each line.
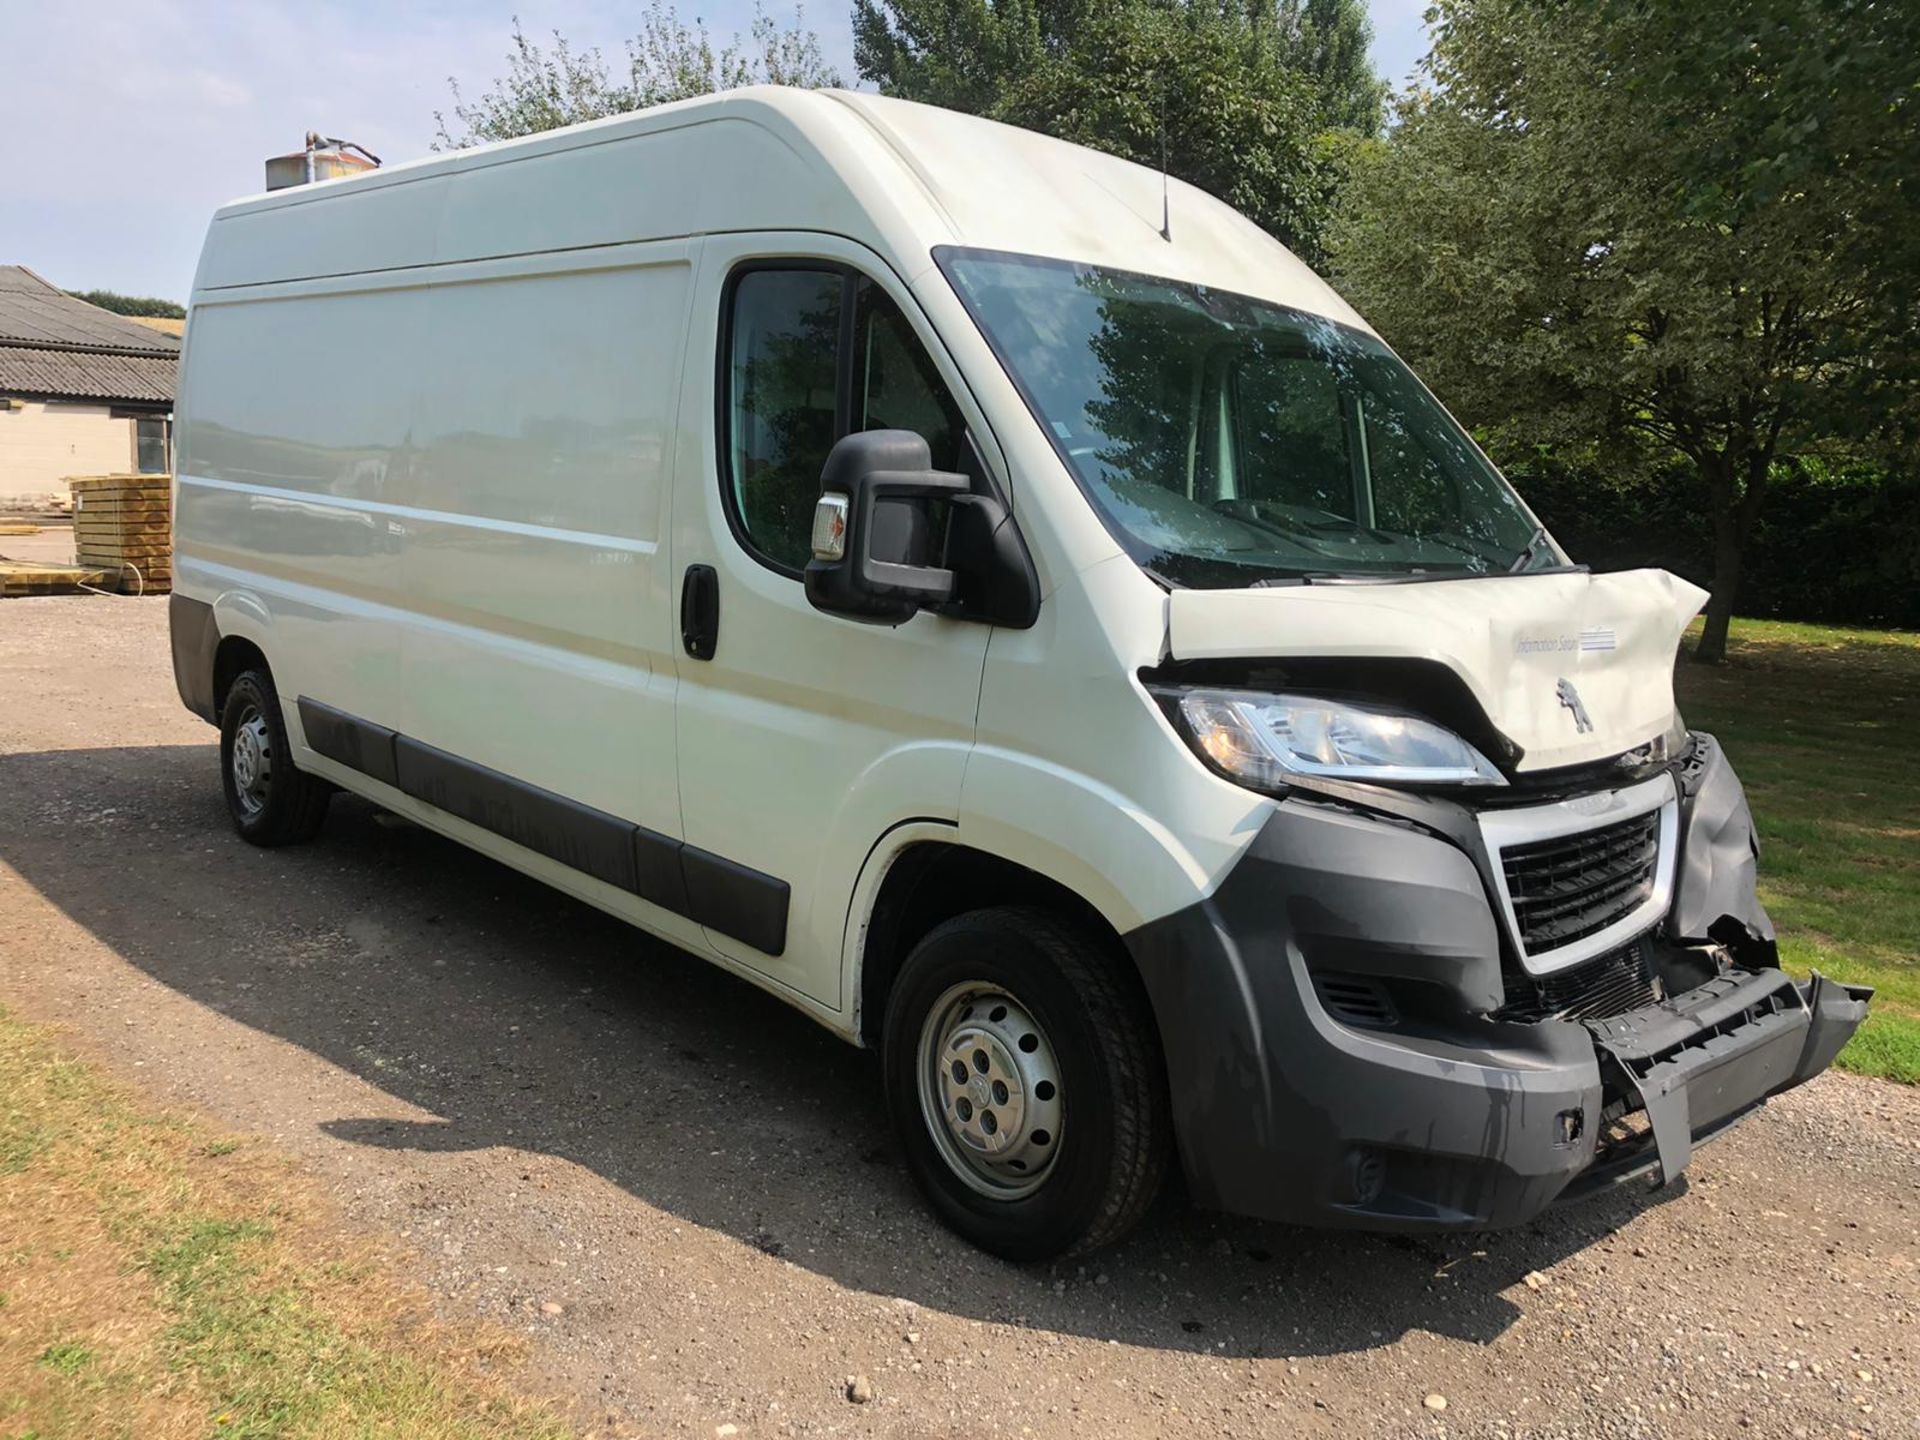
1005, 605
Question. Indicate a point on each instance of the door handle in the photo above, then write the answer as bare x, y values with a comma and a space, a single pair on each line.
700, 611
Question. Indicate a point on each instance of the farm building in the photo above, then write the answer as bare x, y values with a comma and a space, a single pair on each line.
82, 391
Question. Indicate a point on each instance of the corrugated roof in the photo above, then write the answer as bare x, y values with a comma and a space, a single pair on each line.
81, 375
52, 344
32, 312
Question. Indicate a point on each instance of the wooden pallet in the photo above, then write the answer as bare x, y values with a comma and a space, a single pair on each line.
37, 577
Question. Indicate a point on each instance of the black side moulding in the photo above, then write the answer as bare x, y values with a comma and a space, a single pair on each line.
721, 894
353, 742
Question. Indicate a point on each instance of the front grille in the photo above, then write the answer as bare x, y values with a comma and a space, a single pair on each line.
1565, 889
1612, 985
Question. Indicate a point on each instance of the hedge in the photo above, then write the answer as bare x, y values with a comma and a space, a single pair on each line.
1841, 548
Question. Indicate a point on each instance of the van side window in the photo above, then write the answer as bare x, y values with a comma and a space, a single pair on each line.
897, 386
782, 413
814, 354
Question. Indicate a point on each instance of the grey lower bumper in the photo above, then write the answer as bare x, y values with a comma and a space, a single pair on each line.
1444, 1118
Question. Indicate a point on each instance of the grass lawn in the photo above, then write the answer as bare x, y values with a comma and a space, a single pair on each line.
158, 1279
1822, 725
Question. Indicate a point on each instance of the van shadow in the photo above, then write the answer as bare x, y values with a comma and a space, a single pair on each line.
522, 1019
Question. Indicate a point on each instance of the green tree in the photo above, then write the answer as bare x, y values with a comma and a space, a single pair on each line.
1247, 97
1327, 41
131, 304
544, 88
1657, 231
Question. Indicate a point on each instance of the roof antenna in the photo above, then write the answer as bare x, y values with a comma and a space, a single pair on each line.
1166, 205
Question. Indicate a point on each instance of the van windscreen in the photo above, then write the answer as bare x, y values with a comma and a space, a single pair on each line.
1226, 440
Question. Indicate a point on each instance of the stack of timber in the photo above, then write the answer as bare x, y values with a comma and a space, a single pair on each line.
123, 524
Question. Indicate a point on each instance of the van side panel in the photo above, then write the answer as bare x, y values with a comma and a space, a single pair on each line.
679, 179
537, 640
297, 436
323, 230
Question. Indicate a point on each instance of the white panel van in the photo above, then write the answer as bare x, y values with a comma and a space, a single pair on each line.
860, 545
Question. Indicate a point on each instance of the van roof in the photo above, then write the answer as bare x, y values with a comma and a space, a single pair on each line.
897, 176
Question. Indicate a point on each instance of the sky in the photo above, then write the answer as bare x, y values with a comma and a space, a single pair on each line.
126, 122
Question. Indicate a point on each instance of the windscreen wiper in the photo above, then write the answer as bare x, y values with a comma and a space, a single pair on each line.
1303, 577
1534, 543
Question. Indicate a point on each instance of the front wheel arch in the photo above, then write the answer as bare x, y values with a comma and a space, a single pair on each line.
928, 882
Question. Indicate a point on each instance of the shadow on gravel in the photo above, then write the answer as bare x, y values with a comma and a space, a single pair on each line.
526, 1021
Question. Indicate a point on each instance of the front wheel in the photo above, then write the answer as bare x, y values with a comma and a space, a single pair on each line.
1026, 1083
271, 803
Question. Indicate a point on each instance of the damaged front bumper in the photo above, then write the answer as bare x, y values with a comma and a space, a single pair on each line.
1343, 1048
1696, 1063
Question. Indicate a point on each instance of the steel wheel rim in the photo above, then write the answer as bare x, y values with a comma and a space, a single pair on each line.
991, 1091
252, 760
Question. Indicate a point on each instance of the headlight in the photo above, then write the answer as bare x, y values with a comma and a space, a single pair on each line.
1675, 740
1266, 740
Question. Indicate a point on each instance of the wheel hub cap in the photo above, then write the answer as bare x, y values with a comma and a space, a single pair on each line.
252, 760
990, 1090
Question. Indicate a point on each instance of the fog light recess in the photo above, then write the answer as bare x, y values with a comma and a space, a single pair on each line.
1366, 1176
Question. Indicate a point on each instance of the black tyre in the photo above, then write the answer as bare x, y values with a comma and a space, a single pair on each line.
271, 802
1026, 1083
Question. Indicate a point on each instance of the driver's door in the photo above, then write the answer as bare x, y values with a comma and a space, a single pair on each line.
802, 736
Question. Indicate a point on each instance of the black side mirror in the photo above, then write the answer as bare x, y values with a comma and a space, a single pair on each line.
879, 537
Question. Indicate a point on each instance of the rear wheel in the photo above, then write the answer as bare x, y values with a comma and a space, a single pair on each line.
1026, 1083
270, 802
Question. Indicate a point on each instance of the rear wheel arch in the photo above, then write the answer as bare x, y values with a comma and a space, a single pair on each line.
269, 798
232, 658
240, 627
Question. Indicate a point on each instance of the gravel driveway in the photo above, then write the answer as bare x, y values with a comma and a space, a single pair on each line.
686, 1195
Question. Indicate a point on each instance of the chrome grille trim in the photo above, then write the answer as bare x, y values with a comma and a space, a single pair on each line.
1502, 830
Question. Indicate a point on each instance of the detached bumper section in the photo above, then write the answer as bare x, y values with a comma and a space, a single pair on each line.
1328, 1016
1698, 1062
